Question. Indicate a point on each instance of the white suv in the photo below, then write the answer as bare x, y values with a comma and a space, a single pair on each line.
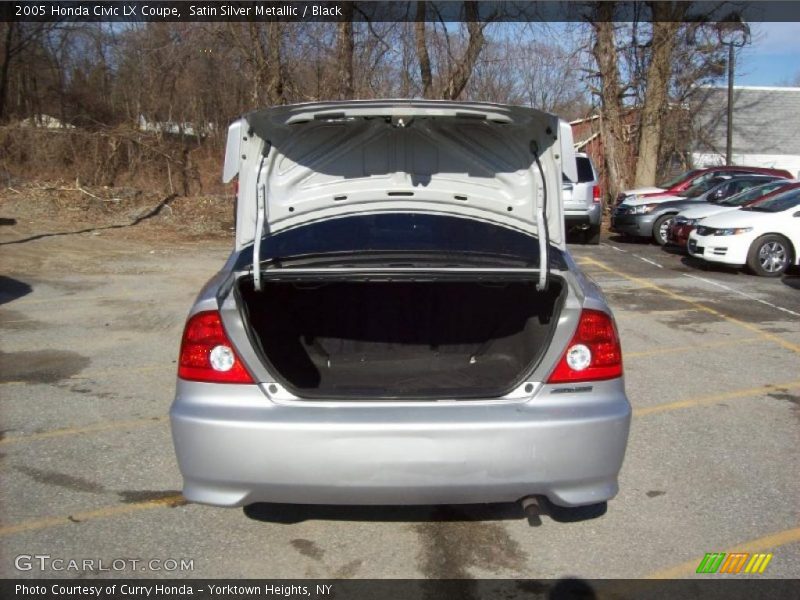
583, 206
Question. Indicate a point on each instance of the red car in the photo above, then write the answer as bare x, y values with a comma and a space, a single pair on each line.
695, 176
683, 224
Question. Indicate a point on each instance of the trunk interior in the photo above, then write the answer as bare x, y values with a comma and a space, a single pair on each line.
400, 339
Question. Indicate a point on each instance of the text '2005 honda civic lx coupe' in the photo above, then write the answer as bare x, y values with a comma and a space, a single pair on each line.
400, 321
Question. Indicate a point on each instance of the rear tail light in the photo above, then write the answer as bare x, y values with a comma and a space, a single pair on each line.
593, 354
207, 354
596, 194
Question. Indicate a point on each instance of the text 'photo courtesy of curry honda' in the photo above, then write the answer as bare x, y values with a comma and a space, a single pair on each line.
400, 321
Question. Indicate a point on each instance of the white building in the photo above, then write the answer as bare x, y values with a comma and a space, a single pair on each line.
766, 127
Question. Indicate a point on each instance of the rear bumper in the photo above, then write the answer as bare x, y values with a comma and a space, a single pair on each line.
583, 217
638, 225
235, 446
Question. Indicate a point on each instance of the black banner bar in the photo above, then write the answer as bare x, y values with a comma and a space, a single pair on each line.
449, 11
705, 587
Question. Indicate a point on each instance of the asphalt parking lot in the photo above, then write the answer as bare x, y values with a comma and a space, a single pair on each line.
90, 333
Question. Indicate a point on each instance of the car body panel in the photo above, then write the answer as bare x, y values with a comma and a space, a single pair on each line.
257, 442
319, 161
642, 224
678, 234
591, 216
706, 210
566, 446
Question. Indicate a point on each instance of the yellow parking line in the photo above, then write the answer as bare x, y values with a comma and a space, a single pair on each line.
713, 399
106, 426
769, 542
89, 515
649, 284
673, 349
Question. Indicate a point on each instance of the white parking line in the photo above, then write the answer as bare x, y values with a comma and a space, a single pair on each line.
614, 247
647, 260
735, 291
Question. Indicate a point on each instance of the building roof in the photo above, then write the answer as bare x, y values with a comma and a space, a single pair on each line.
765, 120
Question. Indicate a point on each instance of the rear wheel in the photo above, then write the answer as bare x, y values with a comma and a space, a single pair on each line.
661, 228
592, 235
769, 256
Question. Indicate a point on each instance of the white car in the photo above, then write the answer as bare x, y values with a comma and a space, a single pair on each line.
765, 236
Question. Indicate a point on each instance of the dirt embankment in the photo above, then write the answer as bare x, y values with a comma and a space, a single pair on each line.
136, 184
59, 208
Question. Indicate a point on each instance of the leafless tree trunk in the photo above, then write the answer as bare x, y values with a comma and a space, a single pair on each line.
5, 67
460, 76
659, 73
616, 146
275, 83
422, 52
16, 39
345, 45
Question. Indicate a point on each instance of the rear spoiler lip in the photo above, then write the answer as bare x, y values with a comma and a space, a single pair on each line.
556, 260
396, 275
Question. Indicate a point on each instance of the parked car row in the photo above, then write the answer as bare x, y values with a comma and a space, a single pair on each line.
686, 221
693, 177
741, 216
651, 216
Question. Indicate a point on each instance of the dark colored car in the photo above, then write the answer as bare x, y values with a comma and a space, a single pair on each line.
653, 219
695, 176
686, 222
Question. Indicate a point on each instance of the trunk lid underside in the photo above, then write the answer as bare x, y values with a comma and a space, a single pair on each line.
309, 162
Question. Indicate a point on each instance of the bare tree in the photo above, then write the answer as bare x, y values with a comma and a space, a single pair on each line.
666, 23
425, 72
345, 45
615, 143
16, 39
459, 77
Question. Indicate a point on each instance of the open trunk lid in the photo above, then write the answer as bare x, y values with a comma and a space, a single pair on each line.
307, 163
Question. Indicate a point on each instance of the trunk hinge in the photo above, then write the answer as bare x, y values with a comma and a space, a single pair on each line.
541, 222
261, 211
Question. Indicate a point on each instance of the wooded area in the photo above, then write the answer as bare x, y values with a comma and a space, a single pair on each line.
180, 84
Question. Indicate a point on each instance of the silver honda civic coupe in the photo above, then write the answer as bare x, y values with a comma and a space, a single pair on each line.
400, 321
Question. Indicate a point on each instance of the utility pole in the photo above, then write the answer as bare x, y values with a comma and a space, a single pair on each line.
729, 132
734, 33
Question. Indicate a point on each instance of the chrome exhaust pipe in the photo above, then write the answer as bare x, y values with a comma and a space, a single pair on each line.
532, 508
